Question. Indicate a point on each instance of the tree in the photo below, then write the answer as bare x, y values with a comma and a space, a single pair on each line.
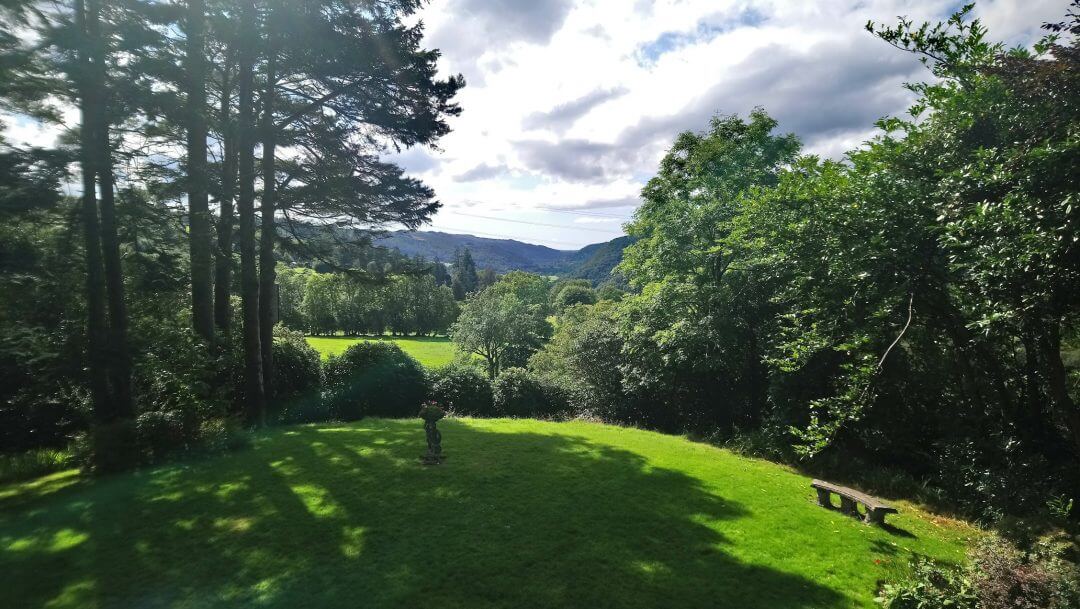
465, 280
500, 328
485, 278
249, 276
574, 295
202, 304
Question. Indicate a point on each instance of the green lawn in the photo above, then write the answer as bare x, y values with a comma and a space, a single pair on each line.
431, 351
522, 514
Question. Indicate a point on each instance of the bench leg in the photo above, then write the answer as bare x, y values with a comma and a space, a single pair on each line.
875, 517
823, 498
848, 506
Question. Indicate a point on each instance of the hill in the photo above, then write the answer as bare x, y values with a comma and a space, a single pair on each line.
593, 262
323, 515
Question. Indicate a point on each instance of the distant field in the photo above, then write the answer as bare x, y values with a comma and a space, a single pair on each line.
431, 351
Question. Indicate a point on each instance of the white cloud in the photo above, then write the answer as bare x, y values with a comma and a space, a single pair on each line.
571, 105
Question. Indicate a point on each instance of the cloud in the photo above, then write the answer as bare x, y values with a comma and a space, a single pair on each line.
576, 101
416, 160
483, 171
563, 116
476, 27
830, 90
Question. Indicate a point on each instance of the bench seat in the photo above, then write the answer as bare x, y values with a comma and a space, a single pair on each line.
850, 498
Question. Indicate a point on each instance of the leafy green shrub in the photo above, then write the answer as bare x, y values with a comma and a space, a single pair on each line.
374, 379
41, 401
998, 576
463, 389
108, 448
519, 393
223, 434
33, 463
298, 380
165, 432
930, 586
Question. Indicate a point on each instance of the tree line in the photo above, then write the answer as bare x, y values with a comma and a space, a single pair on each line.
329, 303
246, 116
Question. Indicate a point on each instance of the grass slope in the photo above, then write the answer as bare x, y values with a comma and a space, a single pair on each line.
523, 514
431, 351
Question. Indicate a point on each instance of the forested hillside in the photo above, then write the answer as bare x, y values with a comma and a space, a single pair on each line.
594, 262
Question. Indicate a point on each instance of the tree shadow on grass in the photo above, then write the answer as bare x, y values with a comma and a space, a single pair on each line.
330, 517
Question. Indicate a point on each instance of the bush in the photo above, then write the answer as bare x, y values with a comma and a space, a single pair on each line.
33, 463
998, 576
223, 434
930, 586
519, 393
374, 379
298, 380
464, 390
162, 433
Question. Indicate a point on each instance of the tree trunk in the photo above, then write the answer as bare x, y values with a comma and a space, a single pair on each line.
267, 275
202, 306
1057, 380
119, 356
249, 275
226, 219
96, 331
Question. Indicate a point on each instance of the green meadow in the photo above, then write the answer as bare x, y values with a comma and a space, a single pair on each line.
522, 514
431, 351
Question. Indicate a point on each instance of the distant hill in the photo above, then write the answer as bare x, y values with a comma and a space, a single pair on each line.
592, 262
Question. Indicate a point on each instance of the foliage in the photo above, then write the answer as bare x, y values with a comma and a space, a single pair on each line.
998, 576
463, 390
574, 295
374, 379
33, 464
430, 412
584, 358
498, 326
297, 392
931, 586
518, 393
464, 278
913, 307
325, 303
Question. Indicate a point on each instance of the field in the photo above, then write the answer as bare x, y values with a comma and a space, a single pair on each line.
522, 514
431, 351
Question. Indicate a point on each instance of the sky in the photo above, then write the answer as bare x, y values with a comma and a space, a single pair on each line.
569, 105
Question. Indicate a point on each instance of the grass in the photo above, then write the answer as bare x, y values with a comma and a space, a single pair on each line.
430, 351
32, 464
522, 514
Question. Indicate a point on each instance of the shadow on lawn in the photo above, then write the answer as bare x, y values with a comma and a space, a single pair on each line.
347, 517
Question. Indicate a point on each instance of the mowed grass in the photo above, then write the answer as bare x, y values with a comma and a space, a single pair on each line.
430, 351
522, 514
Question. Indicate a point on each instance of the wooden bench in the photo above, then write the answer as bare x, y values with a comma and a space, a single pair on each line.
850, 498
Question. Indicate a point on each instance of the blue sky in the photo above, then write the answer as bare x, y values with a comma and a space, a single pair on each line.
570, 105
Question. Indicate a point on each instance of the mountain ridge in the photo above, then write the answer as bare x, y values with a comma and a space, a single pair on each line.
594, 261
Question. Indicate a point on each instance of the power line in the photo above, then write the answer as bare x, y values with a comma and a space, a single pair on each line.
469, 231
576, 212
591, 230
